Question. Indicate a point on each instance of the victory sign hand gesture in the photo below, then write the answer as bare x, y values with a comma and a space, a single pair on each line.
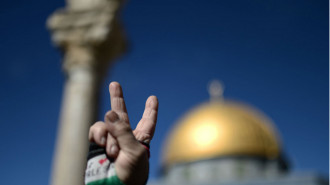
127, 149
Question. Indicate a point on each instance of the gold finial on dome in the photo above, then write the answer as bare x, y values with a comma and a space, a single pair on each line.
216, 88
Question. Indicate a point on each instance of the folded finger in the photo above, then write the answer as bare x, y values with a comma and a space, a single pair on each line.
112, 147
98, 133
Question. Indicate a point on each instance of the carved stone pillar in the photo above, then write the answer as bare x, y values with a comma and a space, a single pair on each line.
88, 34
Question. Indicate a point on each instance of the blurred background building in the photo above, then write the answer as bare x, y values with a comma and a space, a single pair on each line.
227, 142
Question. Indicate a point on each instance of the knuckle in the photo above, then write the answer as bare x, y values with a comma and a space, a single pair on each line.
107, 114
94, 130
97, 129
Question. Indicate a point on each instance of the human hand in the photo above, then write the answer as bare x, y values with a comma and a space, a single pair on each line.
120, 142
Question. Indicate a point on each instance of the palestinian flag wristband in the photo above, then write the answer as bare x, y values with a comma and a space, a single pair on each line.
100, 169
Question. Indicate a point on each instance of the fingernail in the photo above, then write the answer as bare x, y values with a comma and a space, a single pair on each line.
113, 117
103, 140
114, 149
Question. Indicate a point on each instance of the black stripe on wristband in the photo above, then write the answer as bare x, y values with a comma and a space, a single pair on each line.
95, 150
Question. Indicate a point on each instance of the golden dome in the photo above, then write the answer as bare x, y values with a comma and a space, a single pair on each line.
221, 128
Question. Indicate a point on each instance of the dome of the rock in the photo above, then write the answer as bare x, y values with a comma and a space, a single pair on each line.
219, 129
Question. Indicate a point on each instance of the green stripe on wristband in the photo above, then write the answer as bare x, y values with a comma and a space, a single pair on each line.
113, 180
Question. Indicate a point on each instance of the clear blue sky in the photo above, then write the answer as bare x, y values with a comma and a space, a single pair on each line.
270, 54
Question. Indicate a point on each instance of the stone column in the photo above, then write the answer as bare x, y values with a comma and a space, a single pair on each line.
89, 35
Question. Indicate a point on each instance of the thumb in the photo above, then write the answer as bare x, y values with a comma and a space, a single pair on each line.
122, 132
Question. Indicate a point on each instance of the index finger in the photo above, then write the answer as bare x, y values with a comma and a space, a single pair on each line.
117, 98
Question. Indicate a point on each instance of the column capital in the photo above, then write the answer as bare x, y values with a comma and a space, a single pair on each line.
80, 5
88, 37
